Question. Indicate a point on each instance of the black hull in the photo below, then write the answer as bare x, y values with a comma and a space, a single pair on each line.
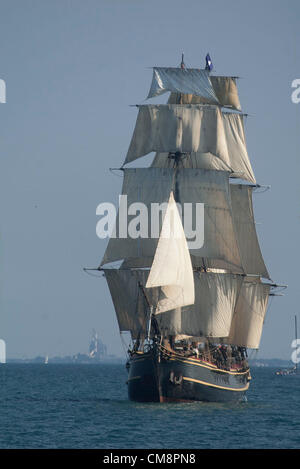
156, 378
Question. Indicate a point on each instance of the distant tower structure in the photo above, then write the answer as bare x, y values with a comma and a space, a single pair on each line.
97, 349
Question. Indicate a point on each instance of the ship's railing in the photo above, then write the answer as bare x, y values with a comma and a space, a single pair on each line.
172, 353
205, 358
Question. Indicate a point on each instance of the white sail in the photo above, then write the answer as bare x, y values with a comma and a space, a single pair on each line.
128, 300
145, 186
243, 217
235, 159
215, 139
131, 306
220, 243
210, 315
249, 315
226, 91
191, 160
236, 145
172, 268
211, 188
176, 128
215, 299
186, 80
224, 87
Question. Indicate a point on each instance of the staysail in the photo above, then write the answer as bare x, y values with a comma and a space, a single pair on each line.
172, 268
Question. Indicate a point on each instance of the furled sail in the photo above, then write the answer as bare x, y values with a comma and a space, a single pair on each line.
225, 89
248, 319
176, 128
172, 268
235, 159
243, 217
182, 80
150, 186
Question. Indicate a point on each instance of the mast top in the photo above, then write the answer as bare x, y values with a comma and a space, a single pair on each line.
182, 65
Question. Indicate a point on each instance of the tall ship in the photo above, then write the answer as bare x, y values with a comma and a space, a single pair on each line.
183, 265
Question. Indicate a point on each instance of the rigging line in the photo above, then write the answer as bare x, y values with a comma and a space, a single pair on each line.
258, 186
196, 270
253, 354
228, 110
278, 293
269, 306
141, 326
276, 285
116, 169
124, 345
87, 271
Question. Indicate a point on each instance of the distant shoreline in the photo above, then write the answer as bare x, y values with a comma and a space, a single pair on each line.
69, 360
254, 363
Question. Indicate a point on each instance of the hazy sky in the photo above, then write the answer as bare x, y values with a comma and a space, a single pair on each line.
72, 69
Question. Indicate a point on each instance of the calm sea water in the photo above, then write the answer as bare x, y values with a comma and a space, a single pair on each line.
86, 406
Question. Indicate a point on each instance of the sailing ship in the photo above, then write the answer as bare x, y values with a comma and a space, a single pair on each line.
192, 306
